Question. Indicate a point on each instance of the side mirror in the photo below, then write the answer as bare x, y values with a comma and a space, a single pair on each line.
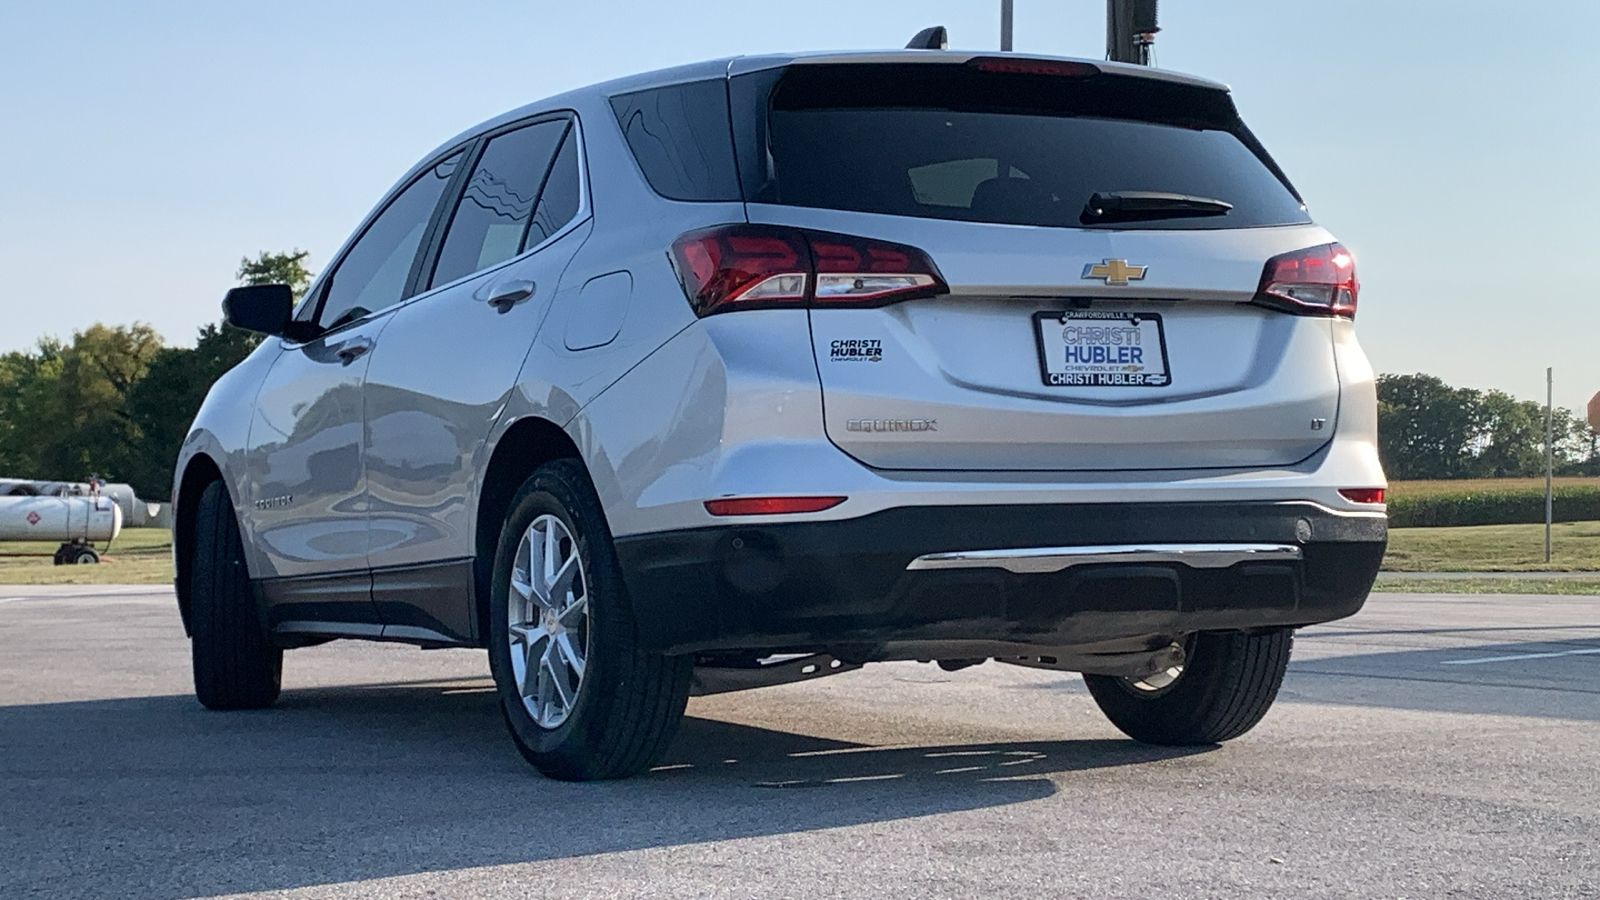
266, 308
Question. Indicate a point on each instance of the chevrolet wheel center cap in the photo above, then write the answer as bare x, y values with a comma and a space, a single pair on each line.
1114, 271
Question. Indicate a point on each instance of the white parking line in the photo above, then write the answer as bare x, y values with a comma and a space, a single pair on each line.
1494, 659
88, 592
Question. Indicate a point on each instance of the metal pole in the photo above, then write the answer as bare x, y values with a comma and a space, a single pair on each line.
1119, 32
1130, 29
1549, 456
1005, 25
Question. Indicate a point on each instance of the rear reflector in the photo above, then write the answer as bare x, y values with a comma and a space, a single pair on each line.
770, 506
733, 267
1319, 281
1362, 495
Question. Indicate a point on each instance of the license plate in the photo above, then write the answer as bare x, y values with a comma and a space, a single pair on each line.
1100, 348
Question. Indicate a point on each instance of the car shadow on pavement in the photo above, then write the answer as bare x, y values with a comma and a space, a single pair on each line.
156, 797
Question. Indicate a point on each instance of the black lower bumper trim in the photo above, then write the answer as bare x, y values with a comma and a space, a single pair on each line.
818, 585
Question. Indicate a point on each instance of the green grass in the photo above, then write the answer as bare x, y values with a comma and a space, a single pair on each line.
1494, 548
1489, 549
1579, 586
144, 556
137, 556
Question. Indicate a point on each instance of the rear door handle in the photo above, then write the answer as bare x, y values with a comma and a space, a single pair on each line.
352, 349
507, 294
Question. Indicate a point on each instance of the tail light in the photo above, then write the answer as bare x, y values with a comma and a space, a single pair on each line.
1318, 281
1362, 495
732, 267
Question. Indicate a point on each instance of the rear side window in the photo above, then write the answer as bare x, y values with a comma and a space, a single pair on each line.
952, 142
492, 221
373, 275
681, 138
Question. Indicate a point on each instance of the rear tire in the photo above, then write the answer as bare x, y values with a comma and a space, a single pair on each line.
582, 700
235, 664
84, 556
1227, 685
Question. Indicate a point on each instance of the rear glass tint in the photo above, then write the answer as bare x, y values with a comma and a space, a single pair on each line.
492, 219
680, 136
949, 142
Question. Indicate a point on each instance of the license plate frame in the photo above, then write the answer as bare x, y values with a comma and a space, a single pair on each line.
1114, 361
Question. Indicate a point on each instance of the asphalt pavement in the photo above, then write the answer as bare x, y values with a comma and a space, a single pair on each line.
1432, 746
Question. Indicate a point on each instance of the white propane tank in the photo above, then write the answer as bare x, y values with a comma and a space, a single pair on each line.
135, 512
94, 519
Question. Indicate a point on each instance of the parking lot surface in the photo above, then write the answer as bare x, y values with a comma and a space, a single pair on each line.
1433, 746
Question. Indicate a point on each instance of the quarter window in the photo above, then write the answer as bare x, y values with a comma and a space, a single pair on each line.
558, 202
373, 274
492, 222
682, 140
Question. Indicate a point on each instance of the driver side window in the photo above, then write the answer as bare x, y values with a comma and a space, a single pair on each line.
373, 275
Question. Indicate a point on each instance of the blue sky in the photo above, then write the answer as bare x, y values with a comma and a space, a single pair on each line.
1452, 145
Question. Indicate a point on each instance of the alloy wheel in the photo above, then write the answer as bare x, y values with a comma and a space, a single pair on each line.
549, 621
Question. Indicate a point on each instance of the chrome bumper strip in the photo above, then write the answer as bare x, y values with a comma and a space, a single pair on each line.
1041, 560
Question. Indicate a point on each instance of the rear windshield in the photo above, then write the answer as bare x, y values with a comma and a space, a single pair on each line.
951, 142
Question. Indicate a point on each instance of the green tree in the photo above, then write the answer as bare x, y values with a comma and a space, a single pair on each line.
278, 268
62, 406
1583, 457
29, 392
1577, 445
164, 404
1426, 428
1510, 442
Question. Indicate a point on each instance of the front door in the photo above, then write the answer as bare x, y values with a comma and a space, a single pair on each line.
306, 502
306, 481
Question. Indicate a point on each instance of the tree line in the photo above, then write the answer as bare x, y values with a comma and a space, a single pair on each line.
116, 402
1428, 429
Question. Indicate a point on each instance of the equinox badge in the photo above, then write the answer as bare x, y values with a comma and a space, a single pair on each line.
891, 425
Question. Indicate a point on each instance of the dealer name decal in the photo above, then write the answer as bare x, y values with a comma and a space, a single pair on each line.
856, 350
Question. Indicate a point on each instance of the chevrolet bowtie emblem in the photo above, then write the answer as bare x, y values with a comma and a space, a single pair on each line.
1114, 271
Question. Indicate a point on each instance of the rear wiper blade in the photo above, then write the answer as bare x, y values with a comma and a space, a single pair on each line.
1126, 206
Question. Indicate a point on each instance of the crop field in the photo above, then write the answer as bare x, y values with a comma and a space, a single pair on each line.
1498, 501
1410, 489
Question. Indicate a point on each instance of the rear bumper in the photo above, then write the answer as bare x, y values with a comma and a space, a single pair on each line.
856, 585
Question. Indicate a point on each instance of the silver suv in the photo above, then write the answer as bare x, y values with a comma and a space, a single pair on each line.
763, 369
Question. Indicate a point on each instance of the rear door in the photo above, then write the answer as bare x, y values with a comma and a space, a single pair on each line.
449, 360
1069, 340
